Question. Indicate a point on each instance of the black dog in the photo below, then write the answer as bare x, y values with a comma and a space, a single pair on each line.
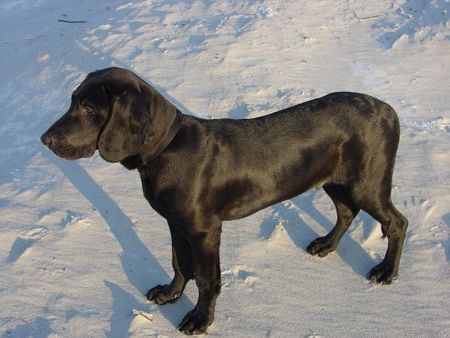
197, 173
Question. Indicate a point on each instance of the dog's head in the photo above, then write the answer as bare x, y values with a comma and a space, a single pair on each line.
116, 112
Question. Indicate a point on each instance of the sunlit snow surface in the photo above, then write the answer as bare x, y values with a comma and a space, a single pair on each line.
79, 246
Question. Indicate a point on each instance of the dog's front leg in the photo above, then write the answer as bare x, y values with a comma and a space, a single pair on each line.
183, 267
207, 277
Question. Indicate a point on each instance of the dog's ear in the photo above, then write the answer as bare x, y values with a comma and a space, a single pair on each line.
164, 122
141, 121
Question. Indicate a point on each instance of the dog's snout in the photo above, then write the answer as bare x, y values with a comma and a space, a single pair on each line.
47, 139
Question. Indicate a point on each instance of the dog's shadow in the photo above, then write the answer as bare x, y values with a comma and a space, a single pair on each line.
289, 214
136, 259
140, 266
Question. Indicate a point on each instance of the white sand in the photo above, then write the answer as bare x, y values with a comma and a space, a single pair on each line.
79, 246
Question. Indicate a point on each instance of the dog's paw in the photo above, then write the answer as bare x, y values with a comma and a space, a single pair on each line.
321, 246
382, 273
195, 322
162, 294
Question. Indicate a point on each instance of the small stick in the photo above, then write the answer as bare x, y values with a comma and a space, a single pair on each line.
143, 314
71, 21
368, 17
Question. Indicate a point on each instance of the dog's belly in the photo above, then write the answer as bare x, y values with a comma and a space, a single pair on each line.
253, 201
239, 198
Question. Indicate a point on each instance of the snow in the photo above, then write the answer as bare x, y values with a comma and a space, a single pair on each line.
79, 246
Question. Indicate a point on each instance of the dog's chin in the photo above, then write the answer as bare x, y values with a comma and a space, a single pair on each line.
72, 153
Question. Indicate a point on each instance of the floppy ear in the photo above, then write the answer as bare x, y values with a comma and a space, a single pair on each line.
164, 123
141, 121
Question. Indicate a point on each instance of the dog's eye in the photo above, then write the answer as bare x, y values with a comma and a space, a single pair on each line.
85, 104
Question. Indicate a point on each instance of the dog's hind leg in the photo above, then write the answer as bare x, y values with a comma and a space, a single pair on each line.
346, 212
393, 225
373, 195
182, 263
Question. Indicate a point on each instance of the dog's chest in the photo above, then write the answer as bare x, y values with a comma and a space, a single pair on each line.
167, 199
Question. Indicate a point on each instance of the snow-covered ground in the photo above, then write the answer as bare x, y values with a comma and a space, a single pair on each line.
79, 246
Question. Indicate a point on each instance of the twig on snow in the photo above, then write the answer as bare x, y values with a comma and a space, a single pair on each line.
72, 21
143, 314
368, 17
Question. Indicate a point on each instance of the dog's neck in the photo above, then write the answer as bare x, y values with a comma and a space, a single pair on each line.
132, 162
145, 156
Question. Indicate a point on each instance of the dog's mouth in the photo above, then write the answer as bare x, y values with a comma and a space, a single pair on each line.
69, 152
65, 150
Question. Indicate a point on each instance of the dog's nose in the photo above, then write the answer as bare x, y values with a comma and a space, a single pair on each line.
47, 139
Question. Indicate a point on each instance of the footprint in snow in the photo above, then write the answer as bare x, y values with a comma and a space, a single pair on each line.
24, 242
70, 218
414, 201
239, 274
